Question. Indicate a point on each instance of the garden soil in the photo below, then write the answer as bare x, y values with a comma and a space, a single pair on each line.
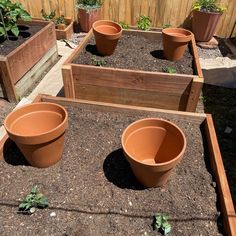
26, 32
92, 190
136, 53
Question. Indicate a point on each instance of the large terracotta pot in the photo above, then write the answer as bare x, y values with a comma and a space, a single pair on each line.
107, 34
175, 42
153, 147
38, 130
204, 24
88, 17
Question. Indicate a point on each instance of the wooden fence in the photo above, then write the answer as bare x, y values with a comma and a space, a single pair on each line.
174, 12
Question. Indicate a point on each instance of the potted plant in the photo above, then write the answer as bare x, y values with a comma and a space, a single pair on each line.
206, 16
41, 144
107, 34
89, 11
153, 147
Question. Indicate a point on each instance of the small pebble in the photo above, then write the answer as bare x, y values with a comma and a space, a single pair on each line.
52, 214
228, 130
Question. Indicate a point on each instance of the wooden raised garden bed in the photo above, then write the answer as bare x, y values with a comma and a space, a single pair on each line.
93, 191
66, 33
133, 87
24, 65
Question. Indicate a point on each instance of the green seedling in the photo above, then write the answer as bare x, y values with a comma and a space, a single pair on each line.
32, 201
170, 70
60, 20
49, 16
166, 26
123, 25
161, 223
208, 6
144, 22
98, 62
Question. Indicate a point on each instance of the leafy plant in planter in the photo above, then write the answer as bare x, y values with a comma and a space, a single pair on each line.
161, 223
89, 12
170, 70
49, 16
206, 15
144, 22
10, 13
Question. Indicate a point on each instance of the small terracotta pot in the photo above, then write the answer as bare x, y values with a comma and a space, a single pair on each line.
204, 25
88, 17
175, 41
153, 147
107, 34
38, 130
61, 26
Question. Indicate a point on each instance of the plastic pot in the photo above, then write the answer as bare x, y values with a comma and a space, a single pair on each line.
153, 147
38, 130
175, 41
204, 25
107, 34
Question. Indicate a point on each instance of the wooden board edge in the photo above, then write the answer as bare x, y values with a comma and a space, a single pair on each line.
197, 64
68, 82
227, 207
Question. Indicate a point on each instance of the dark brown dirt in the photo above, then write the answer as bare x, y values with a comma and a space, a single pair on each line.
26, 31
137, 53
92, 189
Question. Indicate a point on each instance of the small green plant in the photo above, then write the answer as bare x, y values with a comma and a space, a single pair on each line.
98, 62
33, 200
89, 4
161, 223
144, 22
49, 16
166, 26
10, 13
60, 20
208, 6
170, 70
123, 25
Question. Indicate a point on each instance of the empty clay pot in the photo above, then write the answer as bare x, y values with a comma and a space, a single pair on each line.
204, 25
153, 147
107, 34
175, 41
38, 130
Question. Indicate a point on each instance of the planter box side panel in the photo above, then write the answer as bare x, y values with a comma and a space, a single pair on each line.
65, 34
127, 87
28, 54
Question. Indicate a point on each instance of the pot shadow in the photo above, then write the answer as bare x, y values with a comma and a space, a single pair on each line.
12, 154
23, 27
158, 54
118, 171
92, 49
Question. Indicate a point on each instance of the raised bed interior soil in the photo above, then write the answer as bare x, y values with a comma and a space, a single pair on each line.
137, 53
26, 31
92, 189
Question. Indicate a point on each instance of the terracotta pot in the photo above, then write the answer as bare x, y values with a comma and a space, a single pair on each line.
204, 25
153, 147
175, 41
88, 17
38, 130
61, 26
107, 34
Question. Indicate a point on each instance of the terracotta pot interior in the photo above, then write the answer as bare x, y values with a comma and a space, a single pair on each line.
29, 123
177, 32
107, 27
154, 143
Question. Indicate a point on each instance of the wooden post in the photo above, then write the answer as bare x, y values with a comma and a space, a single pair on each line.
68, 81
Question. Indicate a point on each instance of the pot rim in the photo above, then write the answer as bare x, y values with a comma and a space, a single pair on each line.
166, 31
157, 164
43, 133
209, 13
107, 21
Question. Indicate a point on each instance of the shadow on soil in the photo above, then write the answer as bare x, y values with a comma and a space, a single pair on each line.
221, 103
158, 54
13, 156
118, 171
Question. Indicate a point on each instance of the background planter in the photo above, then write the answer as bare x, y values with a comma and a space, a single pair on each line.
153, 148
175, 42
204, 25
66, 33
107, 34
24, 65
88, 17
38, 130
132, 87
